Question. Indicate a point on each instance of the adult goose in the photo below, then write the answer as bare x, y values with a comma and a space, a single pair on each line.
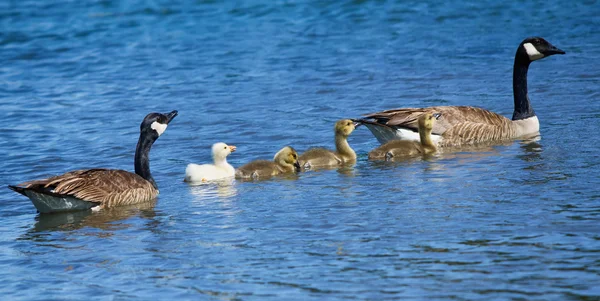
464, 125
101, 188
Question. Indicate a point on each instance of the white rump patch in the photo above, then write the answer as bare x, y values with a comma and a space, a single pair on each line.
527, 126
159, 127
532, 52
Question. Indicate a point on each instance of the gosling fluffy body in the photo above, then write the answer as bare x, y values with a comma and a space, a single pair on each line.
220, 168
285, 161
406, 148
321, 157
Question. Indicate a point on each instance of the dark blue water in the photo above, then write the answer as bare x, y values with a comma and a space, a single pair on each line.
516, 221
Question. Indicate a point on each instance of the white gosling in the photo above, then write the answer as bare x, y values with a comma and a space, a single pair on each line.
209, 172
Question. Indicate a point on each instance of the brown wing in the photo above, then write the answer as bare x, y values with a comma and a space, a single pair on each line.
109, 187
451, 116
466, 133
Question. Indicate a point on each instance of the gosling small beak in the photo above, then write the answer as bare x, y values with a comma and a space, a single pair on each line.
297, 166
437, 115
232, 148
356, 123
170, 116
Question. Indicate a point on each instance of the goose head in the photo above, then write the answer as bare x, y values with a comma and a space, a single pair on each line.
535, 48
427, 120
221, 150
344, 127
154, 124
287, 156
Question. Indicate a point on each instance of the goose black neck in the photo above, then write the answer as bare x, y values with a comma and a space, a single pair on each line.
142, 158
523, 107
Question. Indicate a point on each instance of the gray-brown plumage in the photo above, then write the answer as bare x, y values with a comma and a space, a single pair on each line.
321, 157
285, 161
466, 125
406, 148
88, 188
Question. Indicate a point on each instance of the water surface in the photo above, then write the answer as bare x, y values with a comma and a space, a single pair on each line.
517, 221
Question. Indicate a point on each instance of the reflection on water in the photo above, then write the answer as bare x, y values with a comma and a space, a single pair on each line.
104, 219
219, 188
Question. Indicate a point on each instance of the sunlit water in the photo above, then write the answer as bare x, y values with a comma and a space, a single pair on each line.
518, 221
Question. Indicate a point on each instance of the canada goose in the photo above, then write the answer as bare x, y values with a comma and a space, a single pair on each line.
405, 148
285, 161
461, 125
208, 172
101, 188
320, 157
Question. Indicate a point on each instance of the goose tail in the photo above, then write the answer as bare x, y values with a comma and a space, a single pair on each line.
17, 189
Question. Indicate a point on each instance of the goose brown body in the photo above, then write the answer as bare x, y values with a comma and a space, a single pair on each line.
91, 185
321, 157
458, 125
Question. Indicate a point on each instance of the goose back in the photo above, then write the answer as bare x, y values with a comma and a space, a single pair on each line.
458, 125
106, 187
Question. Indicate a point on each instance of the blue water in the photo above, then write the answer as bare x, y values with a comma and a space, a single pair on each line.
519, 221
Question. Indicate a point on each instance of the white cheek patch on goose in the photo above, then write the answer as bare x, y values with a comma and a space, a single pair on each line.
532, 52
158, 127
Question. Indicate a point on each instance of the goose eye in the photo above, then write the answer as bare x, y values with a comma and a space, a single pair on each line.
225, 147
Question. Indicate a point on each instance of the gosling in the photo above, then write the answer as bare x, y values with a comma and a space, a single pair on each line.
285, 161
320, 157
406, 148
209, 172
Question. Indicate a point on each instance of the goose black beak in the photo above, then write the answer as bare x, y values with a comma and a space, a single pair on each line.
297, 166
552, 50
437, 115
170, 116
356, 123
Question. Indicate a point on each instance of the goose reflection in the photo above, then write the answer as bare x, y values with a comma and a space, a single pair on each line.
223, 188
104, 219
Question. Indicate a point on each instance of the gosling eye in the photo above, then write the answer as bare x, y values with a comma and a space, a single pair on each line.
294, 156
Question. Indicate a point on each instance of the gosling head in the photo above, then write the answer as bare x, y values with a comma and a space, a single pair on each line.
221, 150
288, 156
536, 48
427, 120
344, 127
154, 124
